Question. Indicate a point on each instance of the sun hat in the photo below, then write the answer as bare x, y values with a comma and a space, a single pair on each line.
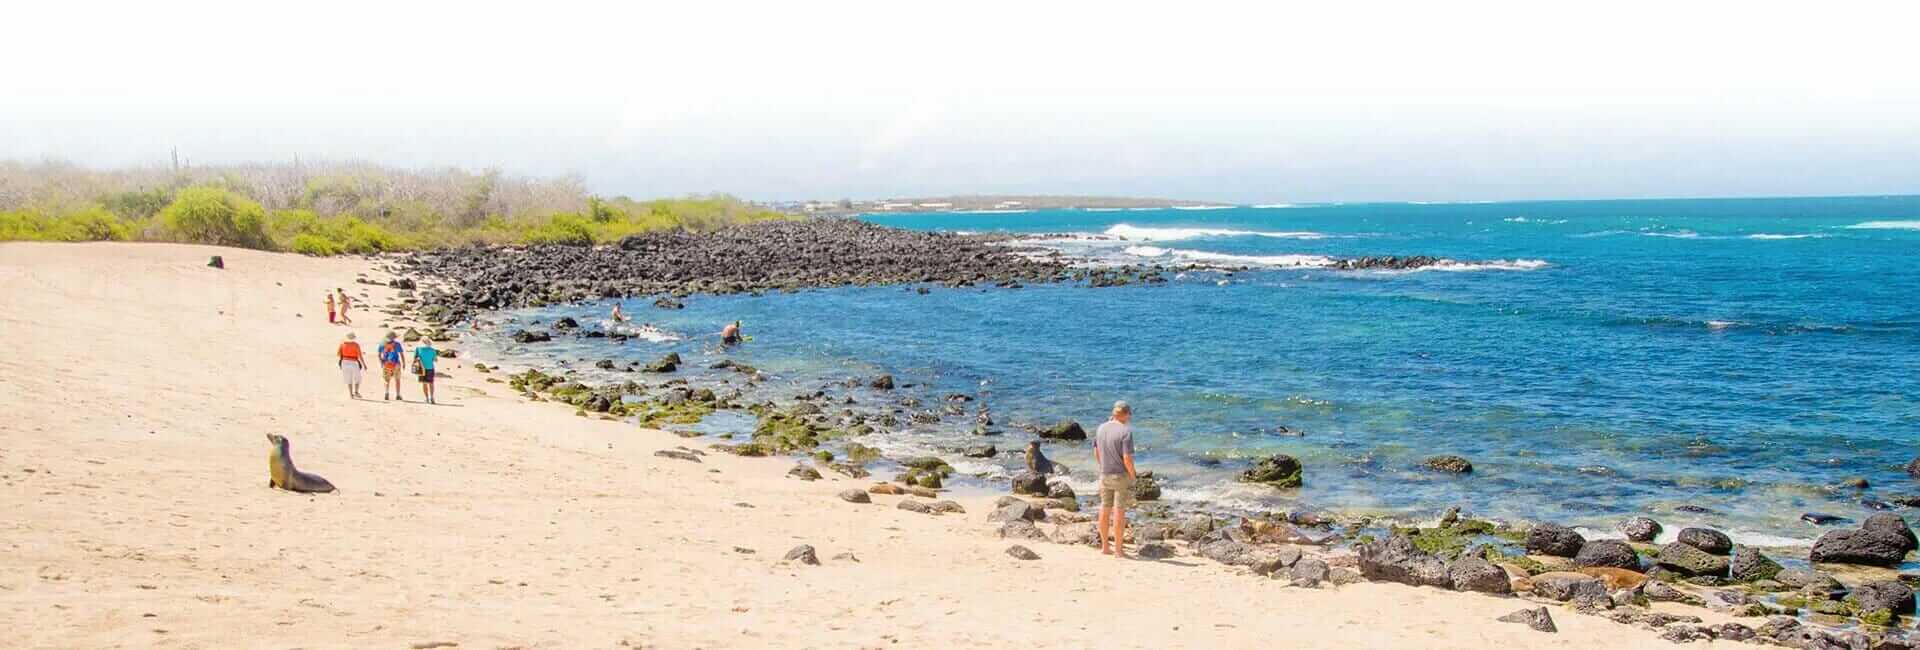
392, 336
349, 336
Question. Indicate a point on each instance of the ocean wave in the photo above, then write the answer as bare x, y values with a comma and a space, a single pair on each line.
1526, 220
645, 332
1275, 206
1205, 257
1489, 265
1005, 211
1102, 209
1302, 261
1886, 225
1768, 235
1141, 233
1205, 207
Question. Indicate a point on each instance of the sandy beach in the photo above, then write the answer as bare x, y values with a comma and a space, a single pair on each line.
133, 469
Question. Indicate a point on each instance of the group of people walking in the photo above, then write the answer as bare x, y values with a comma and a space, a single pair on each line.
353, 364
339, 312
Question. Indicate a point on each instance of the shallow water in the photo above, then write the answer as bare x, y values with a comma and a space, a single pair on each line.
1593, 359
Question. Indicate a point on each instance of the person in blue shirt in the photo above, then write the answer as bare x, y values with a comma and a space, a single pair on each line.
390, 355
424, 356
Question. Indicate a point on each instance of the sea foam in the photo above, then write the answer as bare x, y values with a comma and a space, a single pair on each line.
1886, 225
1140, 233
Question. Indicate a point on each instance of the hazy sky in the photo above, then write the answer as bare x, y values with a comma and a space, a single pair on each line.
1261, 103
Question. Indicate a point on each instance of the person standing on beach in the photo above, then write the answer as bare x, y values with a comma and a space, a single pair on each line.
346, 304
390, 355
352, 364
424, 356
332, 318
1113, 451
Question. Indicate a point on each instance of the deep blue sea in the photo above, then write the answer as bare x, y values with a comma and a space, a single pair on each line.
1594, 359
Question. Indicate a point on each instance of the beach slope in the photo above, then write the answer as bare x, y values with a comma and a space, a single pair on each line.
140, 384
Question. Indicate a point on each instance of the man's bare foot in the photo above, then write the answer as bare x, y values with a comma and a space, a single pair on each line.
1106, 550
1120, 555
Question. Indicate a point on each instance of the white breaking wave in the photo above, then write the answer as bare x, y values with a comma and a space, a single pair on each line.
1205, 207
643, 331
1886, 225
1321, 261
1139, 233
991, 211
1526, 220
1275, 206
1681, 234
1204, 257
1489, 265
1768, 235
1102, 209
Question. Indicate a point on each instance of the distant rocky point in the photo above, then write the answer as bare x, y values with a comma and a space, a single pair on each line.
987, 203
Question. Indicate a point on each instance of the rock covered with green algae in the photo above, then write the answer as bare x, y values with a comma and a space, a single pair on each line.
1278, 470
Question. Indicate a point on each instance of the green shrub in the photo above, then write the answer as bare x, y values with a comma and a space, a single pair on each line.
307, 243
211, 215
92, 224
563, 229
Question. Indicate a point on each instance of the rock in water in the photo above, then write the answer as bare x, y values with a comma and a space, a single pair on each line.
980, 451
1749, 565
855, 495
882, 382
1889, 595
1030, 482
1822, 519
1022, 553
1146, 488
1913, 467
1706, 539
1064, 430
1279, 470
1688, 560
803, 554
1607, 553
1555, 540
1449, 464
1640, 529
1859, 546
1894, 524
1537, 618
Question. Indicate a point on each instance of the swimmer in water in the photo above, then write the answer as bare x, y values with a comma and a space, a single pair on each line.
730, 335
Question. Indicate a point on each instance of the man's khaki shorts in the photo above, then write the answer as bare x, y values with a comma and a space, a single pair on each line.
1116, 491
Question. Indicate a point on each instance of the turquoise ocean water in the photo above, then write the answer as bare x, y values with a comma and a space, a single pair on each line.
1719, 362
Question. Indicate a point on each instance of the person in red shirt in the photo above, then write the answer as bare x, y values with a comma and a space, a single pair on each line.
331, 319
352, 364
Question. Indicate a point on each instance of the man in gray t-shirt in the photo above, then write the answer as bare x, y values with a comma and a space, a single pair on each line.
1113, 451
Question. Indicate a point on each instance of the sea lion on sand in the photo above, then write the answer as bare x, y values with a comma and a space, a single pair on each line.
1038, 462
282, 474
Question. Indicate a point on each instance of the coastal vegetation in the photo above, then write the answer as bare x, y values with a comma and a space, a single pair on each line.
334, 209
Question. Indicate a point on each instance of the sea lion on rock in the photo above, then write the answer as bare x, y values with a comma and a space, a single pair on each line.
1040, 464
282, 474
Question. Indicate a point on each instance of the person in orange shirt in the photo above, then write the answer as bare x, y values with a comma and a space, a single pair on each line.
352, 364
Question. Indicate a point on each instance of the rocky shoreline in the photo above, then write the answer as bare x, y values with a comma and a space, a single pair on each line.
1542, 562
772, 256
